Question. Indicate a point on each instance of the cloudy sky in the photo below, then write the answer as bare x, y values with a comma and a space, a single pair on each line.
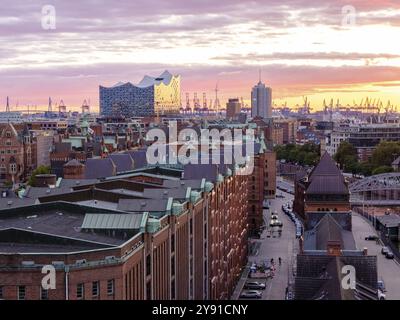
316, 48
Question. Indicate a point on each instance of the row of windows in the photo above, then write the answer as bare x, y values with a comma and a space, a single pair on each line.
13, 168
21, 293
9, 151
80, 290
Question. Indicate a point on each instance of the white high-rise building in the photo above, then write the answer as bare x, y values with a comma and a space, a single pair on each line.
261, 101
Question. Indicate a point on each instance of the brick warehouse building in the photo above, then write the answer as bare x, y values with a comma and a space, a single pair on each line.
123, 239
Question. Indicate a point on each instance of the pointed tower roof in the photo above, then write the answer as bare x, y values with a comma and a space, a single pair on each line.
326, 166
326, 178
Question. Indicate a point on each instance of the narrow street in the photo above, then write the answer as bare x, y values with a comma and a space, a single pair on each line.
275, 247
388, 270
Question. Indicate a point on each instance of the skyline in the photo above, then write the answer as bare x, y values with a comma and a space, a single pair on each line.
302, 47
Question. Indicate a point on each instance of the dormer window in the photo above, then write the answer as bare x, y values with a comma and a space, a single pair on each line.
8, 134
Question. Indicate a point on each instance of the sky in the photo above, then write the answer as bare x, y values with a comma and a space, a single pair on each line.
320, 49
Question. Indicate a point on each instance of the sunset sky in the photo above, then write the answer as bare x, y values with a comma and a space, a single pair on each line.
303, 47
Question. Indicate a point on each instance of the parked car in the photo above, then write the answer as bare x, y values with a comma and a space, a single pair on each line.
381, 285
372, 238
255, 285
384, 250
251, 294
275, 223
389, 255
381, 295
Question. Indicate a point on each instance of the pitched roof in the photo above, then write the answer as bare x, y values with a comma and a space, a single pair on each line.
123, 162
327, 185
326, 166
318, 277
99, 168
326, 178
327, 230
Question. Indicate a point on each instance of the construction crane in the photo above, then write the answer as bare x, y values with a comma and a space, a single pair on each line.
8, 105
217, 105
187, 101
204, 100
85, 107
62, 108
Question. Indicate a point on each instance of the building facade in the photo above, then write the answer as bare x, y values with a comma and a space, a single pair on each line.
152, 96
233, 108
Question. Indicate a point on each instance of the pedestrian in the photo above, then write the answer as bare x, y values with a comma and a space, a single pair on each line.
272, 261
280, 261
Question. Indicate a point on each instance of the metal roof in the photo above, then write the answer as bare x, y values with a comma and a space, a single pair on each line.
111, 221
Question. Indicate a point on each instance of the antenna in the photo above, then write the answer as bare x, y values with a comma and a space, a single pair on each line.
259, 75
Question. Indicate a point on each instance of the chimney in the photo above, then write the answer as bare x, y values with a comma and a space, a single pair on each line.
334, 248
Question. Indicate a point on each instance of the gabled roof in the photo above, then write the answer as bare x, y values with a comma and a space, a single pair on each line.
328, 230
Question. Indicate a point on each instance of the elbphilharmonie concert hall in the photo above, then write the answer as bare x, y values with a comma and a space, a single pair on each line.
151, 96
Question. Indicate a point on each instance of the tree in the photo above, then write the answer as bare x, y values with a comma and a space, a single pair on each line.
38, 170
385, 153
382, 169
346, 156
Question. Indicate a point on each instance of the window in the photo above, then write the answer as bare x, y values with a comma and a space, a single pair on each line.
21, 292
148, 265
173, 243
8, 134
79, 290
13, 167
44, 294
110, 287
1, 292
95, 289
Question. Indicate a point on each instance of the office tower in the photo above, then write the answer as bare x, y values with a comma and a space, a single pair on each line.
261, 101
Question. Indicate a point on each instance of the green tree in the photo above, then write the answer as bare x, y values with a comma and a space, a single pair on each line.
38, 170
385, 153
382, 169
346, 156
